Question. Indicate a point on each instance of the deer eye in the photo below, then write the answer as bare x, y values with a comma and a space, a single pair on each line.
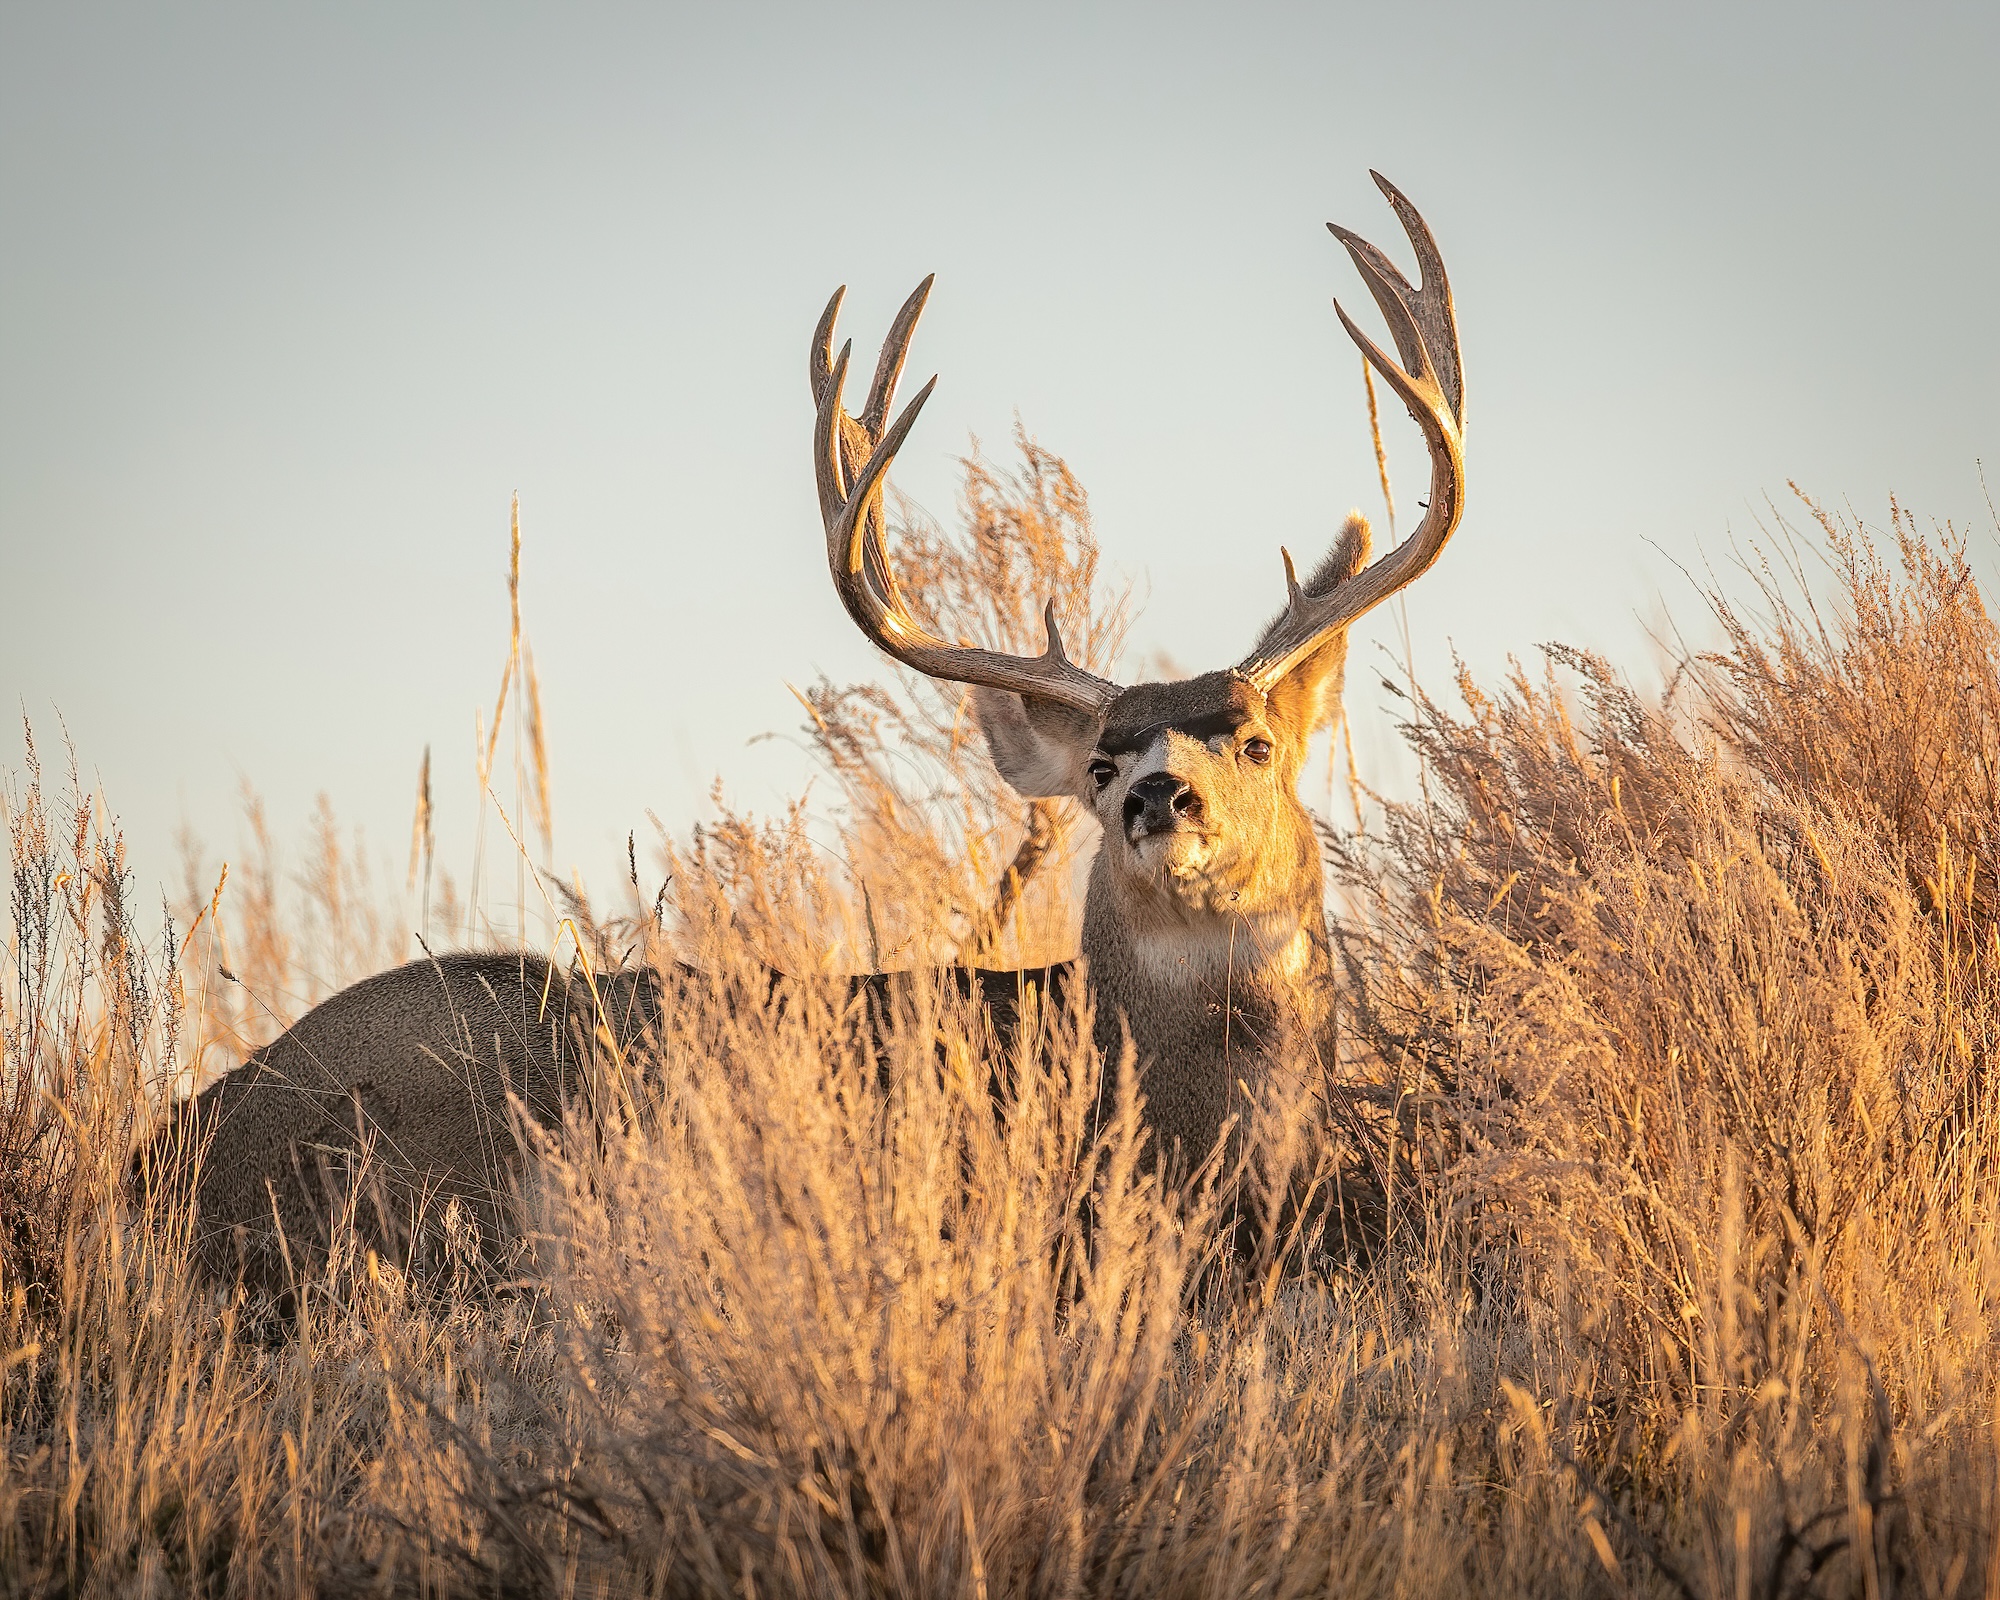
1102, 772
1257, 751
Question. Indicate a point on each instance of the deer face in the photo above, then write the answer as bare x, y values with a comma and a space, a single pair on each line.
1194, 783
1190, 781
1194, 786
1181, 778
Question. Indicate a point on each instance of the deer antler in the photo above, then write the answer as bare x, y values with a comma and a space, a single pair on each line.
1432, 385
851, 458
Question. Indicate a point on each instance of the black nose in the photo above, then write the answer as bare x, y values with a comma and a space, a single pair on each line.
1160, 800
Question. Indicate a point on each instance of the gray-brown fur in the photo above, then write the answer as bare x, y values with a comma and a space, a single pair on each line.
415, 1066
394, 1098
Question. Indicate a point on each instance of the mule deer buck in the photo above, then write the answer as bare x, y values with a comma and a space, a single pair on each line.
1204, 925
1204, 934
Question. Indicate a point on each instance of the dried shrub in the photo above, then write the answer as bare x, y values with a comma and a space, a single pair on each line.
1692, 1012
1670, 1032
1887, 710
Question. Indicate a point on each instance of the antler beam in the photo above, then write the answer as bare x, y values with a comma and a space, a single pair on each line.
851, 459
1432, 384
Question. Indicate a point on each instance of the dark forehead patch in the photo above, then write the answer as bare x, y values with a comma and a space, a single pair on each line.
1204, 708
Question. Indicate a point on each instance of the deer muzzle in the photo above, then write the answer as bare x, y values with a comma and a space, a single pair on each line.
1160, 802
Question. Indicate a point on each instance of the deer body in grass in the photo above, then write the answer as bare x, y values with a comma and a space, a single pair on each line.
1205, 940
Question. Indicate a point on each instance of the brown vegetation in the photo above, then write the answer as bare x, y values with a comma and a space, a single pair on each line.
1672, 1024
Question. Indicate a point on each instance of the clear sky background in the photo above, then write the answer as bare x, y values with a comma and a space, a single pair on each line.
293, 299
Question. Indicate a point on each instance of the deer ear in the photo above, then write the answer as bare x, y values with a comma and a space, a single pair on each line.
1039, 746
1307, 698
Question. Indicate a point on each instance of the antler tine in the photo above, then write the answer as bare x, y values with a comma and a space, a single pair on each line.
882, 389
820, 363
1394, 296
1430, 381
831, 480
851, 460
859, 525
852, 442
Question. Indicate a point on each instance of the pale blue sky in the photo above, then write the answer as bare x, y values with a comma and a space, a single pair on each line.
292, 300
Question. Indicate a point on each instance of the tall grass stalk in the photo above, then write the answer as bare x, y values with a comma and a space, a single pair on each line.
1669, 1054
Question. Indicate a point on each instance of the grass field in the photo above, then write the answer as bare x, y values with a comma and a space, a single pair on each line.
1666, 1126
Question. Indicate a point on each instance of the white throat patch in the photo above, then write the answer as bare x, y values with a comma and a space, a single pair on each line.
1272, 948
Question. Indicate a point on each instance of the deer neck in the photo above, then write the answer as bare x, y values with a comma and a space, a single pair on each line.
1209, 1000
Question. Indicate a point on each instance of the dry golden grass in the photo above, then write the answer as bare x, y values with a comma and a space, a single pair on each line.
1671, 1058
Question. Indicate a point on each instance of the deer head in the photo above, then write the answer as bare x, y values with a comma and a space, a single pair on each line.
1195, 782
